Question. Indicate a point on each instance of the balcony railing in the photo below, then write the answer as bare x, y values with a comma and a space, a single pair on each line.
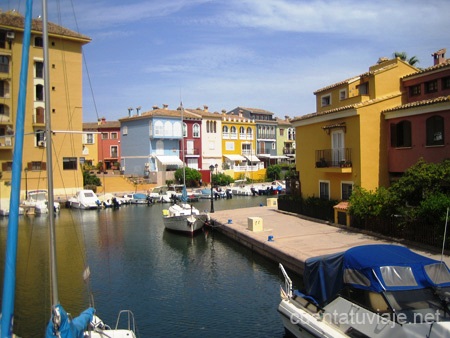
288, 151
337, 157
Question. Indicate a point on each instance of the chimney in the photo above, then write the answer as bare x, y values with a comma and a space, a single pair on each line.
224, 111
205, 109
382, 59
439, 56
165, 106
155, 107
286, 117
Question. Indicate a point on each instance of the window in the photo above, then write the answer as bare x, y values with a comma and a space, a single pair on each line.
4, 88
4, 64
431, 86
37, 165
273, 146
401, 134
3, 39
249, 133
7, 166
326, 100
281, 132
446, 82
40, 136
69, 163
185, 132
159, 128
114, 152
177, 132
324, 190
363, 88
90, 138
196, 130
346, 191
229, 145
168, 129
435, 131
233, 132
415, 90
39, 115
38, 41
4, 110
113, 136
338, 147
104, 136
125, 130
39, 70
225, 133
342, 94
39, 92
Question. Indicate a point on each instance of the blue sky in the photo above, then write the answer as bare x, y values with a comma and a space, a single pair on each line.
268, 54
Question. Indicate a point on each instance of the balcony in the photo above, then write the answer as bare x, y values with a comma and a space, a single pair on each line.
288, 151
337, 160
6, 143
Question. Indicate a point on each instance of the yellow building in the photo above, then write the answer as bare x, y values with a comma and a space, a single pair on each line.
65, 61
239, 148
343, 144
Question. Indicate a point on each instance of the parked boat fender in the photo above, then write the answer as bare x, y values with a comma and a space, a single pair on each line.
165, 212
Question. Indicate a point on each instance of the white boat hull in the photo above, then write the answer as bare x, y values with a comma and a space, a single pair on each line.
184, 218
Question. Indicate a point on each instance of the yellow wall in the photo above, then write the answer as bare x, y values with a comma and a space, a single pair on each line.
66, 113
363, 132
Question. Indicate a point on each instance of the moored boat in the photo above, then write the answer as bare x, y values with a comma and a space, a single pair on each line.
378, 290
84, 199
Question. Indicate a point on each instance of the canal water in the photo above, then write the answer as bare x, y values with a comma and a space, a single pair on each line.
176, 286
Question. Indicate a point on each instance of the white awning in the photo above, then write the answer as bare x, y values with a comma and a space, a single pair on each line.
252, 158
235, 157
169, 160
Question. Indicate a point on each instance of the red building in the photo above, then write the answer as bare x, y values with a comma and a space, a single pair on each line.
420, 128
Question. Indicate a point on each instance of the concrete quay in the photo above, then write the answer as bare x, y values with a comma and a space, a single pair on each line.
296, 239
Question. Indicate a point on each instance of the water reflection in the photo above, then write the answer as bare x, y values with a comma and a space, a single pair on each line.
205, 286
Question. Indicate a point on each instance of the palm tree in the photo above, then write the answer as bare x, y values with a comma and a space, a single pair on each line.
404, 57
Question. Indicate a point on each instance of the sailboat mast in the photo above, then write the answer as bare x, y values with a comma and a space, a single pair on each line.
48, 135
182, 144
9, 282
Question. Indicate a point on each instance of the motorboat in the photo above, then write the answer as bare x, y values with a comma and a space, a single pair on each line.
184, 217
162, 194
378, 290
108, 200
84, 199
240, 188
37, 201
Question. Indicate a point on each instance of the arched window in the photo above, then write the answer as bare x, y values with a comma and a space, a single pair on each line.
177, 129
435, 131
401, 134
168, 128
159, 128
249, 133
225, 129
196, 130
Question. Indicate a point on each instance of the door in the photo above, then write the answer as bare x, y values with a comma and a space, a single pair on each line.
337, 147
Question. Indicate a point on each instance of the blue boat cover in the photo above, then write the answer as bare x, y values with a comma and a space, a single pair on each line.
68, 328
377, 267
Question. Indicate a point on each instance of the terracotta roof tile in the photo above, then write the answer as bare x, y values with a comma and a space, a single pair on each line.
419, 103
429, 69
15, 21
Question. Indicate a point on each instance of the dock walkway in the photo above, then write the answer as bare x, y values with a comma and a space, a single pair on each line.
295, 239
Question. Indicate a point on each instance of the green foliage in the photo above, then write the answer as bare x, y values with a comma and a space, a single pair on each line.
89, 179
222, 179
421, 180
367, 204
193, 176
273, 172
433, 209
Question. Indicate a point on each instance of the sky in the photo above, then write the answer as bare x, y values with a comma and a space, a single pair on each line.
267, 54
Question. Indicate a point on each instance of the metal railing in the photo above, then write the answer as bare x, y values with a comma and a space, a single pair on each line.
336, 157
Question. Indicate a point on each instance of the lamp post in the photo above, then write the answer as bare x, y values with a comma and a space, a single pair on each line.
211, 169
26, 183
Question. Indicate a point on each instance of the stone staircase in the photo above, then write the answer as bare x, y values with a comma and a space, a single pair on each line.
120, 184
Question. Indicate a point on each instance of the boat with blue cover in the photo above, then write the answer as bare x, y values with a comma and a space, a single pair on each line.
378, 290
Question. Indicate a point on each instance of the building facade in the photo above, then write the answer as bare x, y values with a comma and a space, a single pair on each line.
65, 54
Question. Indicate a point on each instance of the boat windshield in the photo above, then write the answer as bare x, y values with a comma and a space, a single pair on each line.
419, 306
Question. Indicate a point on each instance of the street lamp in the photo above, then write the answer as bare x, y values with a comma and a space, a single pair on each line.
211, 169
26, 183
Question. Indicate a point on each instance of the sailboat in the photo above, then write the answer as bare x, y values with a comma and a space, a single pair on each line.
61, 324
184, 217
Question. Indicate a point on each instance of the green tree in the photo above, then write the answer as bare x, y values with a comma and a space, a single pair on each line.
222, 179
89, 179
404, 57
273, 172
367, 204
193, 176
